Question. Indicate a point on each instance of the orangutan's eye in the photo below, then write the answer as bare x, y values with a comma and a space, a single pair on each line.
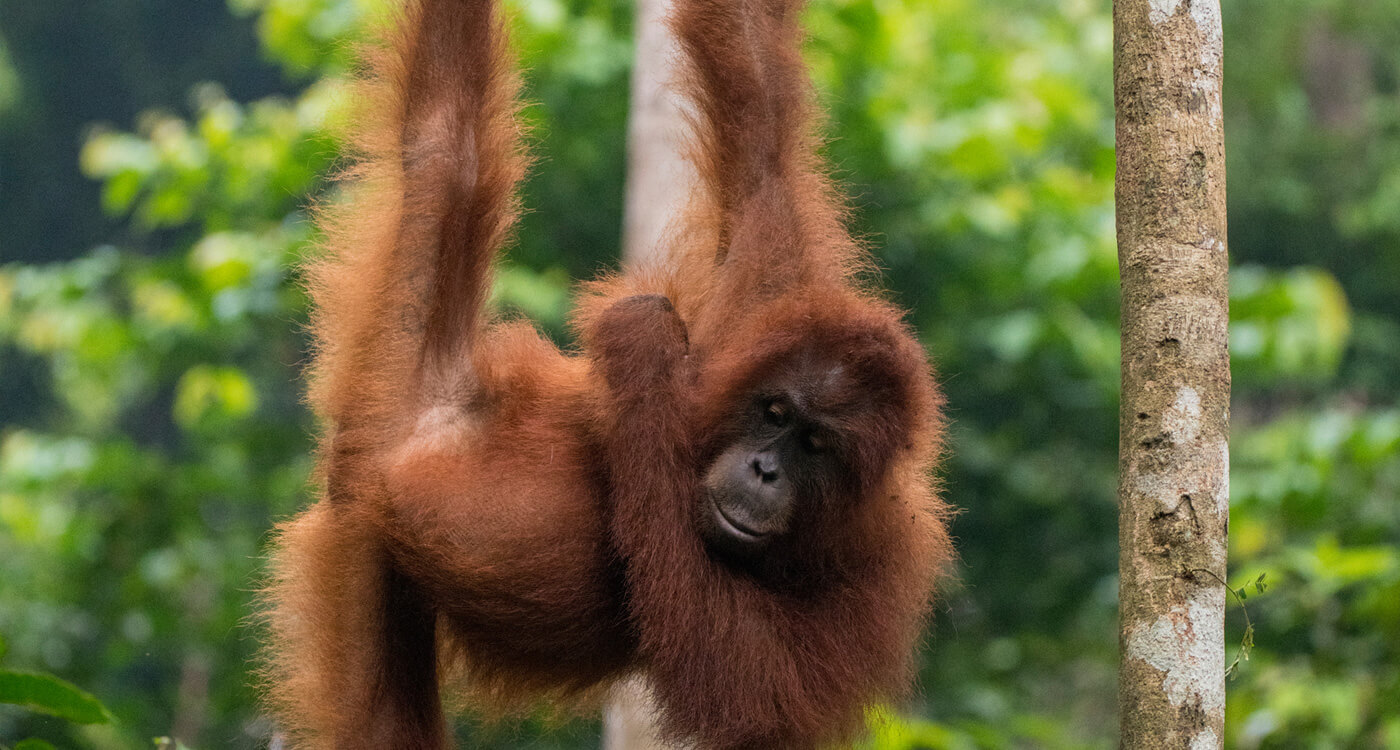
775, 413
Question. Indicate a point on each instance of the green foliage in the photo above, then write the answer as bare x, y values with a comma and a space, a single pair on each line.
166, 430
50, 695
231, 163
1314, 506
308, 37
1293, 325
9, 80
154, 428
889, 731
44, 693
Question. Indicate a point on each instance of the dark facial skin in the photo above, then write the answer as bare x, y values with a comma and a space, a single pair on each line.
757, 485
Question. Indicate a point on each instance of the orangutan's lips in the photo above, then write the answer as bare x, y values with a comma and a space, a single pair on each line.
733, 527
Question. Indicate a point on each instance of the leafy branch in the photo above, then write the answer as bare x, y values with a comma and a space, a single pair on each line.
1240, 594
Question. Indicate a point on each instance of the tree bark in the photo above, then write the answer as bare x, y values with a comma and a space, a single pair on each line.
629, 722
1173, 489
658, 179
658, 175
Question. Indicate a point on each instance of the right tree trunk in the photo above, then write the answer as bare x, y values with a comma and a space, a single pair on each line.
1174, 422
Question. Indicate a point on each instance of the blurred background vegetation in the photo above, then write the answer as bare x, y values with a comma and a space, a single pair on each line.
157, 158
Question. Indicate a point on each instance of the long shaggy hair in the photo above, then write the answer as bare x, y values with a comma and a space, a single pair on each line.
496, 508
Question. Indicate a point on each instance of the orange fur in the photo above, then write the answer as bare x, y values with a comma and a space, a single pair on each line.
497, 506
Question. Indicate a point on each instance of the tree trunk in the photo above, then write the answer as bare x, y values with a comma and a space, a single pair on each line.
1173, 489
628, 721
658, 179
658, 176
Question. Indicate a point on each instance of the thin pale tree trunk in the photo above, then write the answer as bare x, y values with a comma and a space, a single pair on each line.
1173, 491
658, 175
658, 180
628, 721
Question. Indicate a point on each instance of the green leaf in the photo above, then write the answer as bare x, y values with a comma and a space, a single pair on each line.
209, 392
50, 695
33, 744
